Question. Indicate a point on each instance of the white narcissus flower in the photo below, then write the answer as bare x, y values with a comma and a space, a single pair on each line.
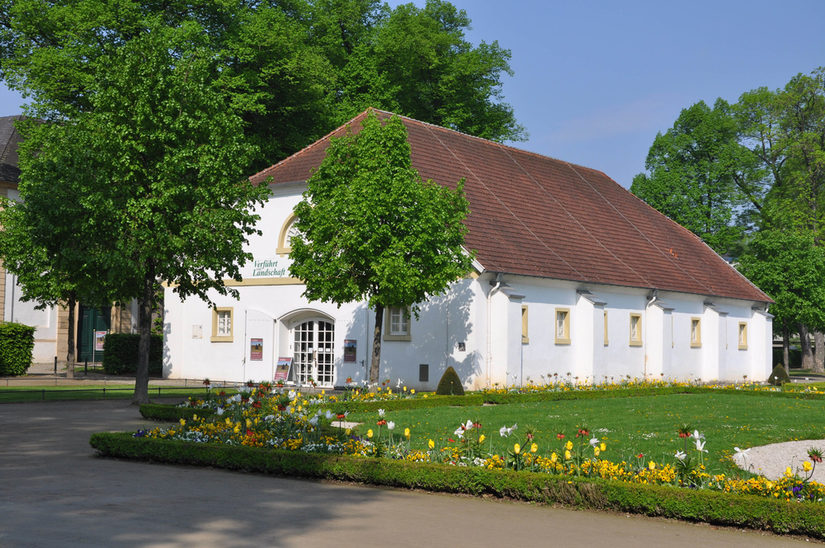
700, 445
698, 435
390, 425
459, 432
594, 442
505, 431
219, 411
468, 424
381, 413
680, 455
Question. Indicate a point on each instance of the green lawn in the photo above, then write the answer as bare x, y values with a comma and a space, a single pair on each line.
629, 426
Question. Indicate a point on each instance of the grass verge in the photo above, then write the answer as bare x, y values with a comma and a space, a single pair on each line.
686, 504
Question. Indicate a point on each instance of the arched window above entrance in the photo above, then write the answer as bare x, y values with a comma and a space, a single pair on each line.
288, 230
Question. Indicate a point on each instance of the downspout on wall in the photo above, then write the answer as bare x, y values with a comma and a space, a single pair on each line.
496, 283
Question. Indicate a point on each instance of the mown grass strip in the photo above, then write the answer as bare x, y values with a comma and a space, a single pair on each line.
687, 504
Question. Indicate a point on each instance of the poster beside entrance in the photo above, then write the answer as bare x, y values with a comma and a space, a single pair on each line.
282, 369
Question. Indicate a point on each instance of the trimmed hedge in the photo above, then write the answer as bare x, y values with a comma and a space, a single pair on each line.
16, 346
450, 384
121, 354
654, 500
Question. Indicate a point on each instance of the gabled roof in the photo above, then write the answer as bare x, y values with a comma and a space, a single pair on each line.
9, 140
538, 216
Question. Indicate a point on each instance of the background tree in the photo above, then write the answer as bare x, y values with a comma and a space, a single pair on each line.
790, 267
290, 70
702, 177
372, 230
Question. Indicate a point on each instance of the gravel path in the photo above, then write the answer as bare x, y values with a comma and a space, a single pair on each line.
772, 460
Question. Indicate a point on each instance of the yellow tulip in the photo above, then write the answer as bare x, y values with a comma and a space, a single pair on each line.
596, 451
431, 444
323, 392
569, 445
517, 449
405, 389
602, 446
412, 391
807, 466
788, 472
554, 457
369, 433
567, 455
183, 422
481, 438
407, 433
348, 431
534, 448
651, 465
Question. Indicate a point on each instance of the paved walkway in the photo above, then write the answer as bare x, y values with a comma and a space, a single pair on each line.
56, 492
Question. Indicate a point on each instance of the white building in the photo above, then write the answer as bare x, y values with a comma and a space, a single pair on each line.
575, 278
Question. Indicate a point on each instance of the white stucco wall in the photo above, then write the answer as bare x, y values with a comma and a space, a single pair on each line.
477, 315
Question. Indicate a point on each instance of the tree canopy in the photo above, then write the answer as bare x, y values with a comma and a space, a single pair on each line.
749, 179
371, 229
290, 70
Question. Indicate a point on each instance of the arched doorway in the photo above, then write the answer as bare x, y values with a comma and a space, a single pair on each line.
313, 351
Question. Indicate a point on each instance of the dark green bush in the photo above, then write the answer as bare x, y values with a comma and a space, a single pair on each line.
779, 376
690, 504
120, 354
450, 384
16, 346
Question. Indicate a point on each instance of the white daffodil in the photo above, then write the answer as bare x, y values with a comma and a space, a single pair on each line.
505, 431
381, 413
399, 383
700, 445
468, 424
680, 455
459, 432
390, 425
594, 442
698, 435
219, 411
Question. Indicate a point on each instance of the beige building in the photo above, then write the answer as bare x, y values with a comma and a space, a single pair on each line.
51, 323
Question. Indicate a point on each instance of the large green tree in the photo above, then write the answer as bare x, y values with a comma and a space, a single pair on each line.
160, 185
702, 177
371, 229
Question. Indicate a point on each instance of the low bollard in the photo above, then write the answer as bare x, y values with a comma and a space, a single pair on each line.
55, 367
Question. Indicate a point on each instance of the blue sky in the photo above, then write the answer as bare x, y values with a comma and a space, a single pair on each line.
594, 81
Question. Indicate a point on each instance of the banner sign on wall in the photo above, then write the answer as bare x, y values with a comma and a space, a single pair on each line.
350, 347
256, 350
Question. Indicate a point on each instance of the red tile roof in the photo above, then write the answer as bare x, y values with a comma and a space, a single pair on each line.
538, 216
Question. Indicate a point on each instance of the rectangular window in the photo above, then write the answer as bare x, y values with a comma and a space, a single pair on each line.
397, 323
525, 339
635, 330
221, 324
743, 335
605, 328
695, 332
562, 326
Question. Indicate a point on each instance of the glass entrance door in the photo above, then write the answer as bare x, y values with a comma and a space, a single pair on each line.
313, 357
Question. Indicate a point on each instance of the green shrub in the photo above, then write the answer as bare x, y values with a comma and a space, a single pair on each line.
655, 500
779, 375
120, 354
450, 384
16, 346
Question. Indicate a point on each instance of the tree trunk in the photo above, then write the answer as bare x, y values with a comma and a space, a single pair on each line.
72, 302
145, 330
805, 346
375, 366
819, 352
786, 349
